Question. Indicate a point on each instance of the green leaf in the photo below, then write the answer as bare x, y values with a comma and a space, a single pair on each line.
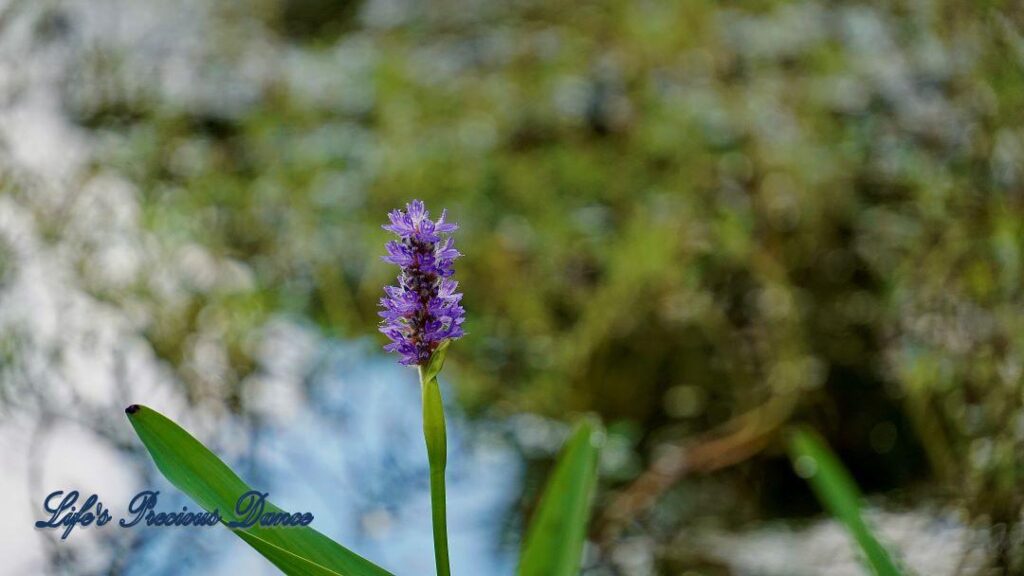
436, 362
554, 541
434, 429
286, 561
197, 472
839, 494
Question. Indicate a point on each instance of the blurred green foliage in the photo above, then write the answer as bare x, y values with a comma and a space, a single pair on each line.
672, 212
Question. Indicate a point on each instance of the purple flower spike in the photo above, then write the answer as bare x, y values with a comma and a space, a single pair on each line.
424, 309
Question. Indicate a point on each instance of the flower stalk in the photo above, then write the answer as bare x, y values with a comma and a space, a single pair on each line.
421, 316
435, 435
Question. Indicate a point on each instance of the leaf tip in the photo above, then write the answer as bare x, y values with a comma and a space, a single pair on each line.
590, 425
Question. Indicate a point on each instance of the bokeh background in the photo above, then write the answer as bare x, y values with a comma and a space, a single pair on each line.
702, 221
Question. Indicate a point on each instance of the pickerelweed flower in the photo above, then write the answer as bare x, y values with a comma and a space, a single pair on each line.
424, 309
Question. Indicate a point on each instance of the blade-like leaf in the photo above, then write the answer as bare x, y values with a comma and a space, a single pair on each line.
554, 541
200, 474
839, 494
286, 561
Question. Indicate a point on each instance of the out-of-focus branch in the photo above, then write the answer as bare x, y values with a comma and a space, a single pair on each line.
731, 443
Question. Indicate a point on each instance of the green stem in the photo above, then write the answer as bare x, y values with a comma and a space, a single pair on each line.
437, 456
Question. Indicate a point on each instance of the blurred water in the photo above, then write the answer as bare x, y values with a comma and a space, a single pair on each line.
354, 454
344, 443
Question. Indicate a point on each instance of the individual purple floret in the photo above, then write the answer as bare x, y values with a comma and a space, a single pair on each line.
424, 309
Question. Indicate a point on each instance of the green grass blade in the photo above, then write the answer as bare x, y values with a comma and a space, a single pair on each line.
839, 494
200, 474
554, 541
